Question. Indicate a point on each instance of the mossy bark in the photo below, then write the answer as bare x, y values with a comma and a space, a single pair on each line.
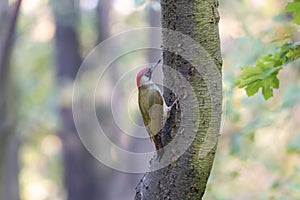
186, 177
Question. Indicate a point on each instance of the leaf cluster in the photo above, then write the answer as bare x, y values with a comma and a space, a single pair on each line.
294, 7
264, 73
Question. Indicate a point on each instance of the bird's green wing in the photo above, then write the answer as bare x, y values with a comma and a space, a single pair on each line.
152, 110
155, 111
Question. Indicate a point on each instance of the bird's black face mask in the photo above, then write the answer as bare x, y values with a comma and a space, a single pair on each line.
149, 74
151, 69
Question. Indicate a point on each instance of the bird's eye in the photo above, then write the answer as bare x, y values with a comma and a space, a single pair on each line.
147, 74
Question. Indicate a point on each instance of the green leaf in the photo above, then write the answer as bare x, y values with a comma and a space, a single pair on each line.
294, 53
295, 8
264, 76
253, 88
267, 92
264, 73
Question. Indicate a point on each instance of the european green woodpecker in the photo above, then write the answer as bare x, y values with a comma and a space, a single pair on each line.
152, 105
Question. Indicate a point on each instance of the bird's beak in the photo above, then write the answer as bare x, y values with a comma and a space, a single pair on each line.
151, 69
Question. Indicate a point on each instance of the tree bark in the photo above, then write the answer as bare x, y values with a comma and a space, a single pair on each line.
186, 177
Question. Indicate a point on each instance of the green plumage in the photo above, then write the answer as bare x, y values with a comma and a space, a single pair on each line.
151, 107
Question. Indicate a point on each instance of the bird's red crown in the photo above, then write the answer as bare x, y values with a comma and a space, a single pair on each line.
140, 74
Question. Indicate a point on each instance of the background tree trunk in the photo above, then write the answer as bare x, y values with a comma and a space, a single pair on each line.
154, 17
186, 178
9, 147
84, 176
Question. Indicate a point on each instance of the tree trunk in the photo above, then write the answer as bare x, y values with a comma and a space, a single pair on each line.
102, 20
154, 17
82, 173
186, 177
9, 169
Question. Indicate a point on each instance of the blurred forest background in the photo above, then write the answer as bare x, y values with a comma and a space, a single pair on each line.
41, 155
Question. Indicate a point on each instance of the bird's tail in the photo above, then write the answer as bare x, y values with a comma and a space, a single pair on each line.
158, 145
